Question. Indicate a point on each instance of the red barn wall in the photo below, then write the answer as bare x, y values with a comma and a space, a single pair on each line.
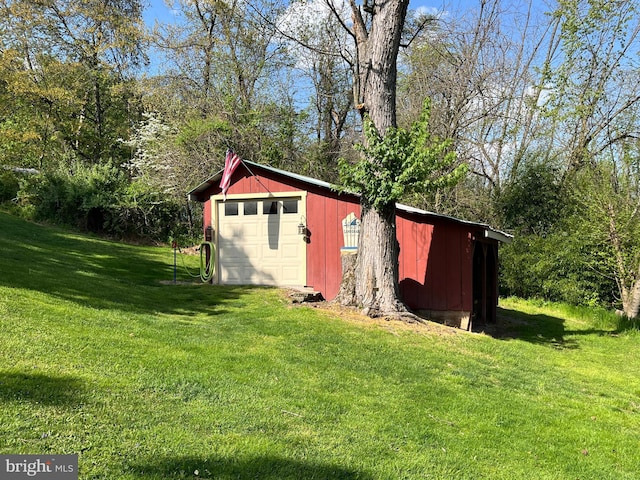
206, 221
324, 220
435, 263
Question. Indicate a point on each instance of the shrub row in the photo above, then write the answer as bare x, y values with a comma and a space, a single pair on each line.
97, 198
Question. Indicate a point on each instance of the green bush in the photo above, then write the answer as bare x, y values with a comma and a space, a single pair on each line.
144, 212
81, 196
553, 256
9, 186
535, 201
558, 267
100, 198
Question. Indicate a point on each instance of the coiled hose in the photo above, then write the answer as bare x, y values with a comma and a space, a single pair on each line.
207, 267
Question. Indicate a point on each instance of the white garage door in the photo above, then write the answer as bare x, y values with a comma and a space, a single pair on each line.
259, 244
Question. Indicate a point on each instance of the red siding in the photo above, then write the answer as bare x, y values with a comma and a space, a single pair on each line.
316, 257
206, 215
243, 182
324, 220
435, 263
415, 240
466, 273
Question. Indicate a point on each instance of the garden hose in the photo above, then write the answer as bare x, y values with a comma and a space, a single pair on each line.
207, 267
184, 265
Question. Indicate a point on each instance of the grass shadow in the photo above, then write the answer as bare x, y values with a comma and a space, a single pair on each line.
536, 328
625, 324
40, 388
539, 329
98, 273
262, 467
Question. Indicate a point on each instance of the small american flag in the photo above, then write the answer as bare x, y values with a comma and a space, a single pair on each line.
231, 162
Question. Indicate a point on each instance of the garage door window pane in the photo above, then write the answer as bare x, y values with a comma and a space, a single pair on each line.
250, 208
230, 209
290, 206
270, 208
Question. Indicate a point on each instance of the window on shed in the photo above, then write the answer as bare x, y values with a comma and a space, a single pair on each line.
290, 206
230, 209
250, 208
270, 207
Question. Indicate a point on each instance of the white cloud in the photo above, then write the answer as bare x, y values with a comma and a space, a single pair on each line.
303, 16
314, 25
430, 11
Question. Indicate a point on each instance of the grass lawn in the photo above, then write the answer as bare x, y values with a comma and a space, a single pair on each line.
149, 380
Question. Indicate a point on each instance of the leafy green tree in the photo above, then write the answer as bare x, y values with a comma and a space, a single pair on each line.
593, 90
377, 33
224, 70
558, 267
535, 202
564, 246
67, 66
9, 186
377, 30
322, 52
609, 197
478, 68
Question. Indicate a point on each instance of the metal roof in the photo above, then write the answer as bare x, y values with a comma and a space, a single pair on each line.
489, 232
212, 180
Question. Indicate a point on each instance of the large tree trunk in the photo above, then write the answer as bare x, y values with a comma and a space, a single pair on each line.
376, 270
370, 280
376, 288
631, 304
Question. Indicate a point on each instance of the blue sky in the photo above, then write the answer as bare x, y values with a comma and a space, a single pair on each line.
157, 10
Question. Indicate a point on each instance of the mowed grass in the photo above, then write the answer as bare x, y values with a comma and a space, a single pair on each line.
149, 380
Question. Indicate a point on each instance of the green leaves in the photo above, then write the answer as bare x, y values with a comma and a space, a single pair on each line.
401, 162
535, 201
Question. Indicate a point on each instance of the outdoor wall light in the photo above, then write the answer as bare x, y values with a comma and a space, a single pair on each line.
302, 228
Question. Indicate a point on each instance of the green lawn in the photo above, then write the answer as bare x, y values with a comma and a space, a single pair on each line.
150, 380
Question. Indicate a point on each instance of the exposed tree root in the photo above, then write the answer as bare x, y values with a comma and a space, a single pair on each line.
403, 315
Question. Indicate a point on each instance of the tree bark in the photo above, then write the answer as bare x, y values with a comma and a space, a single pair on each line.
629, 288
376, 289
346, 295
376, 273
632, 305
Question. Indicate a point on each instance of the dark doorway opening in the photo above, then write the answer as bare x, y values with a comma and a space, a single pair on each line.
485, 282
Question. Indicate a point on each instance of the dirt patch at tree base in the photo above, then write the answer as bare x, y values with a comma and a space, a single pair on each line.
391, 324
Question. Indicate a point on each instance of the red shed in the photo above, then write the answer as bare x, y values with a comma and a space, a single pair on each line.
280, 228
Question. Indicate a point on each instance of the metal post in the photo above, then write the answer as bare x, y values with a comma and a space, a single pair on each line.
174, 244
